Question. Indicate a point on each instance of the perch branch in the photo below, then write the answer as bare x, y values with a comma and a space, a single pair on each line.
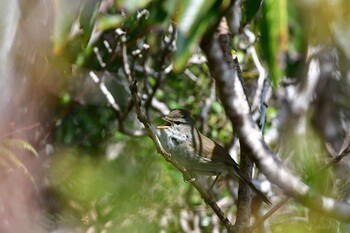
207, 198
152, 134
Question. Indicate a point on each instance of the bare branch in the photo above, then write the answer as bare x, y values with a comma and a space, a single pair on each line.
339, 157
246, 164
105, 91
269, 213
259, 67
20, 130
126, 66
344, 152
113, 103
160, 106
237, 109
99, 57
207, 198
152, 134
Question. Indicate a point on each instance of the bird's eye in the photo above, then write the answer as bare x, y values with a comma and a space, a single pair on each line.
177, 122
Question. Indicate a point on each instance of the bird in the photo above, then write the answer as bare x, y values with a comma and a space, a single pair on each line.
196, 152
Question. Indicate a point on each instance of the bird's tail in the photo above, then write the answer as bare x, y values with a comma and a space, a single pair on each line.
252, 186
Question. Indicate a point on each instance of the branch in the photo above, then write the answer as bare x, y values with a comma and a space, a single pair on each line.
269, 213
105, 91
20, 130
113, 103
187, 176
337, 159
262, 72
237, 109
246, 165
244, 204
151, 133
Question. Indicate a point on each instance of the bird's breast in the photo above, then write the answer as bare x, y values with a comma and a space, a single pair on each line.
172, 141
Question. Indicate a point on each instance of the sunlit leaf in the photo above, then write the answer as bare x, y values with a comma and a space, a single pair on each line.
20, 144
274, 36
216, 106
106, 22
5, 152
193, 20
65, 14
132, 5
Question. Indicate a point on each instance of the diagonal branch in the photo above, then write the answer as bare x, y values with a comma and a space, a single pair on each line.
237, 109
187, 176
152, 134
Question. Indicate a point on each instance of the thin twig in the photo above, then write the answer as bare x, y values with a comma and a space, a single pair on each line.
113, 103
263, 105
259, 67
337, 159
162, 71
20, 130
280, 204
283, 201
105, 91
269, 213
126, 66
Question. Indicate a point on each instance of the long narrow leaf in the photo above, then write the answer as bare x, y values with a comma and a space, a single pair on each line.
65, 15
13, 158
20, 144
274, 36
193, 20
87, 18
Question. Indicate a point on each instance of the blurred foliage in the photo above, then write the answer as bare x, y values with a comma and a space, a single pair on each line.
11, 150
193, 20
80, 127
306, 155
130, 188
128, 194
274, 36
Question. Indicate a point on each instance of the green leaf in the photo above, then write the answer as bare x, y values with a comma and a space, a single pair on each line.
87, 18
65, 15
194, 18
274, 36
251, 8
106, 22
217, 108
132, 5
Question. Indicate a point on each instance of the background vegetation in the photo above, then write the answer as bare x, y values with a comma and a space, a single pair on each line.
75, 158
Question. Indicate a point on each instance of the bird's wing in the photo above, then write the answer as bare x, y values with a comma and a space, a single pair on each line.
210, 149
221, 155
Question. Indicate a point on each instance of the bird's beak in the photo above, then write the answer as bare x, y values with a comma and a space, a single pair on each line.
166, 125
